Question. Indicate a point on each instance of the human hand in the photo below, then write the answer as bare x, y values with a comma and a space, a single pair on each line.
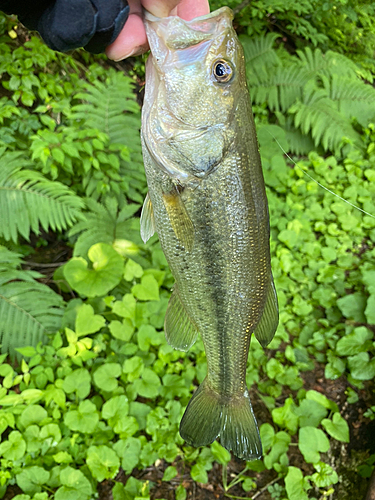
68, 24
133, 41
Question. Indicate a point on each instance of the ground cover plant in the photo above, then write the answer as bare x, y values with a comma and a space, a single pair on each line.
91, 395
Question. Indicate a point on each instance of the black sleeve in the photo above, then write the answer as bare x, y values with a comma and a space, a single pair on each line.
68, 24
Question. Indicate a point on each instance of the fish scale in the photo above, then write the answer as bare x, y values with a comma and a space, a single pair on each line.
209, 209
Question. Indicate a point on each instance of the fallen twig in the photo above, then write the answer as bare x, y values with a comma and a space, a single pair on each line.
265, 488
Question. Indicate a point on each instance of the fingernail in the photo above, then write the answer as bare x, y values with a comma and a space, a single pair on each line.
137, 51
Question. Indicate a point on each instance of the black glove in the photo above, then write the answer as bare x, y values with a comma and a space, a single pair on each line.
68, 24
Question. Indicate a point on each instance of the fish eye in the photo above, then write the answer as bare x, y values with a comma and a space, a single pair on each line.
222, 71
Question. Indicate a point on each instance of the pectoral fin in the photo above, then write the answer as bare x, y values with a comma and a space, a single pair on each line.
267, 326
180, 331
179, 218
147, 220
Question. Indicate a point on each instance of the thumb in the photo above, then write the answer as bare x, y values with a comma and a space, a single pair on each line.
160, 8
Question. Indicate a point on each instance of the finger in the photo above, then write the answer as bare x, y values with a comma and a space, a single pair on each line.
188, 9
160, 8
132, 40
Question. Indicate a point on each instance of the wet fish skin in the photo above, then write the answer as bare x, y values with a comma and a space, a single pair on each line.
209, 208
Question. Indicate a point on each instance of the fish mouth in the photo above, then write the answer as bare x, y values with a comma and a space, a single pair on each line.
176, 33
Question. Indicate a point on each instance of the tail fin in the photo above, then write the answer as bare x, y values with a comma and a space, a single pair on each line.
209, 415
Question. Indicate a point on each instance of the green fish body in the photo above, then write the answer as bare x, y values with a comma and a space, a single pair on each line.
207, 203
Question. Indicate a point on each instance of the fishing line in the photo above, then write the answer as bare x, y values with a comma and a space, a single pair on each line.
317, 182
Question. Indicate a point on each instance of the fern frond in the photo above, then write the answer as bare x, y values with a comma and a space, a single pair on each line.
318, 115
354, 98
318, 64
280, 89
111, 108
105, 224
259, 51
28, 309
28, 200
299, 143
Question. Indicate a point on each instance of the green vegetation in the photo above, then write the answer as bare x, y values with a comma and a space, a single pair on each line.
91, 387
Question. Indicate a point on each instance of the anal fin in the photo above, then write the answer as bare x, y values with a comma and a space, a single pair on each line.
147, 220
180, 331
267, 325
179, 218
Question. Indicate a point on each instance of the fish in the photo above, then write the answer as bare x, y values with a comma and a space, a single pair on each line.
207, 202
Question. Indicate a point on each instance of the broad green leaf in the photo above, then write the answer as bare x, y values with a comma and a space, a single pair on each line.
122, 330
126, 307
85, 419
267, 435
14, 447
132, 270
106, 272
102, 462
325, 475
322, 400
370, 309
169, 473
79, 381
181, 493
286, 416
128, 450
115, 410
62, 457
220, 454
31, 479
119, 492
295, 484
335, 367
133, 367
148, 289
87, 321
361, 366
354, 343
147, 336
6, 420
75, 486
50, 434
33, 414
199, 474
353, 306
337, 427
280, 445
310, 413
311, 441
106, 376
149, 384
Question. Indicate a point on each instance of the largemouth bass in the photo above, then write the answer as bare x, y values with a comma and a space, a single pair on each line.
207, 203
